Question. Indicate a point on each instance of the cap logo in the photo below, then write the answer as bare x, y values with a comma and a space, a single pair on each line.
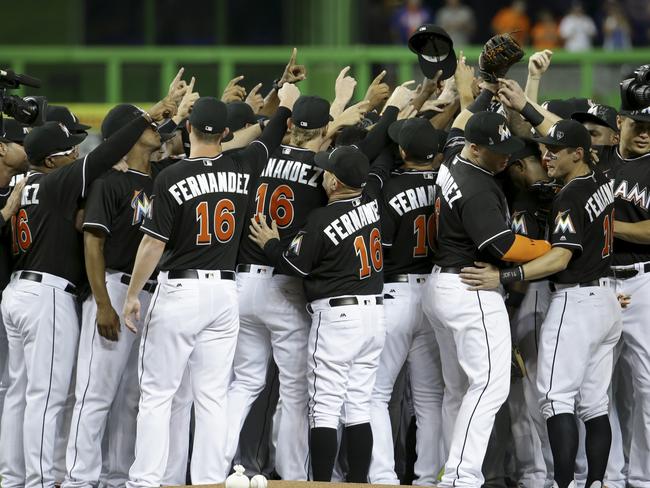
552, 133
303, 123
560, 135
429, 156
208, 127
422, 28
594, 109
64, 129
645, 111
25, 130
504, 132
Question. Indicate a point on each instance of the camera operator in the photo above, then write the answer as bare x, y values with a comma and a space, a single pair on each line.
629, 161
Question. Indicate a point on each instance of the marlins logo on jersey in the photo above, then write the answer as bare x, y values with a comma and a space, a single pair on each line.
518, 224
563, 223
141, 205
634, 195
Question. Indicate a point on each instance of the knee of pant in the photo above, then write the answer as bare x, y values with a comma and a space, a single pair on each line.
593, 410
550, 407
294, 392
252, 384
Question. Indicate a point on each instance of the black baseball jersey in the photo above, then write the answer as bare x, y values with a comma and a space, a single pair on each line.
288, 189
408, 221
45, 237
609, 160
117, 205
5, 243
582, 221
632, 203
471, 209
529, 216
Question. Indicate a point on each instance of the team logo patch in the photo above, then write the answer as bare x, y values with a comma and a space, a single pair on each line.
563, 223
296, 244
518, 224
141, 205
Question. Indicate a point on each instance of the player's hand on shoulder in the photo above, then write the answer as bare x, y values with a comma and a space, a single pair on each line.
121, 166
288, 95
131, 313
13, 202
482, 276
260, 232
108, 322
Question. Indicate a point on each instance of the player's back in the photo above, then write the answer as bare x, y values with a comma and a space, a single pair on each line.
349, 260
465, 194
408, 221
199, 210
288, 189
583, 213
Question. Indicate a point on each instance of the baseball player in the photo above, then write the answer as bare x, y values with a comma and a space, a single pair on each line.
43, 336
407, 219
198, 214
115, 207
59, 113
339, 254
289, 188
583, 322
600, 121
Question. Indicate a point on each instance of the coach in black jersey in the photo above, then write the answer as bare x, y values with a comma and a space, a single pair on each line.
199, 207
48, 269
583, 323
408, 232
339, 254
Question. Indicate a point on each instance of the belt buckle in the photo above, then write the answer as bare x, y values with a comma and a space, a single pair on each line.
367, 302
421, 280
210, 275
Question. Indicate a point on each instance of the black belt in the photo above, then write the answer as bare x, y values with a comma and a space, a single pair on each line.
192, 274
397, 278
451, 270
569, 285
149, 287
248, 268
38, 277
341, 302
624, 274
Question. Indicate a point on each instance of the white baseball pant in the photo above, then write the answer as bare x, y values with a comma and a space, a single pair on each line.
409, 338
272, 320
42, 330
473, 334
345, 343
576, 351
4, 362
190, 323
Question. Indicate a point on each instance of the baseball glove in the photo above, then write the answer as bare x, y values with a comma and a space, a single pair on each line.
499, 53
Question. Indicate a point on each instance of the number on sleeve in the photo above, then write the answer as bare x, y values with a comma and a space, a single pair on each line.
223, 222
608, 231
21, 235
376, 256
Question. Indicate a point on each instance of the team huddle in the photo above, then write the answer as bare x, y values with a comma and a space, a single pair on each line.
490, 252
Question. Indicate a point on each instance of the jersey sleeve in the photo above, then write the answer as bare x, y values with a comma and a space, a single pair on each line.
483, 219
100, 207
389, 222
567, 226
161, 222
256, 154
454, 144
304, 250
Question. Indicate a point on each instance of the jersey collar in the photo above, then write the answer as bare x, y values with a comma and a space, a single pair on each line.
204, 158
631, 159
344, 200
473, 165
577, 178
137, 172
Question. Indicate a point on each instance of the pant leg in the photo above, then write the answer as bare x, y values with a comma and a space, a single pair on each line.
400, 313
179, 434
4, 365
211, 365
479, 324
288, 323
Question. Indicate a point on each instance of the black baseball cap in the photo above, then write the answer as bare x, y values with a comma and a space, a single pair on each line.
239, 114
435, 50
48, 139
490, 129
124, 114
530, 148
347, 163
311, 112
598, 114
59, 113
565, 108
209, 115
640, 115
568, 133
417, 138
13, 131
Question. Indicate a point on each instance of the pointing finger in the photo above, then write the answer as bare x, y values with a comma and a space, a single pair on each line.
343, 72
406, 83
178, 75
378, 79
292, 59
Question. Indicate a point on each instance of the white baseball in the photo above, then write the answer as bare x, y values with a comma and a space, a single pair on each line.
238, 479
258, 481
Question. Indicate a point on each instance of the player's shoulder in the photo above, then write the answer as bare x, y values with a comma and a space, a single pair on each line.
298, 153
402, 179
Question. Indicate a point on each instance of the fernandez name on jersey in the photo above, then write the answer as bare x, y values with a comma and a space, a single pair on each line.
202, 184
352, 221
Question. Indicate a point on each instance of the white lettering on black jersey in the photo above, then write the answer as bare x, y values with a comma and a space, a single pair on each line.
202, 184
296, 171
350, 222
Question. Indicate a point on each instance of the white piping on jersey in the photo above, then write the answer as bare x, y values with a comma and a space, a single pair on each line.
631, 159
83, 178
413, 172
294, 267
137, 172
295, 147
487, 241
95, 224
585, 177
149, 231
344, 200
265, 148
381, 182
213, 158
469, 163
562, 244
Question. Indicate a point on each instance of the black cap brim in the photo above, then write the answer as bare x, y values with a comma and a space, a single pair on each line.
509, 146
447, 65
394, 128
322, 160
635, 115
81, 127
583, 117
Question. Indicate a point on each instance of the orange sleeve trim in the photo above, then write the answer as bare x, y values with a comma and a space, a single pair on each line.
525, 249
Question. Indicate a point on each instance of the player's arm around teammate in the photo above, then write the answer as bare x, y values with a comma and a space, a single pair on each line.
583, 323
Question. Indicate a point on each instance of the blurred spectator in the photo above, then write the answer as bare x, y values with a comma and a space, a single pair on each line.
545, 33
616, 28
513, 19
408, 18
458, 20
577, 29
